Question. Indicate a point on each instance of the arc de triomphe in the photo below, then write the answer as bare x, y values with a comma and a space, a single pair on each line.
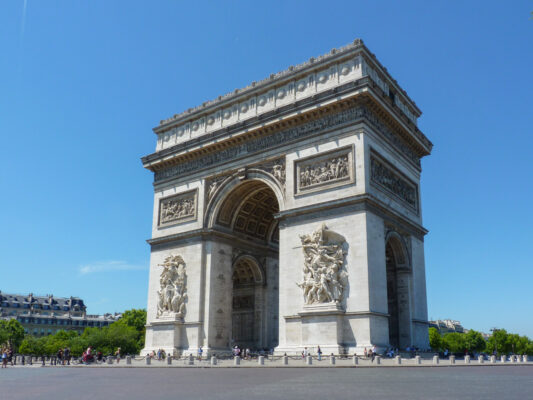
287, 215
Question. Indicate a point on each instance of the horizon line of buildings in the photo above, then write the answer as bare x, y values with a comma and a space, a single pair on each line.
46, 315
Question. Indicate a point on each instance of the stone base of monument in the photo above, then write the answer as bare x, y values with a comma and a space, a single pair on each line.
167, 333
319, 324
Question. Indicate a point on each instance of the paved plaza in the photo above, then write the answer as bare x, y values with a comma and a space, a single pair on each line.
444, 382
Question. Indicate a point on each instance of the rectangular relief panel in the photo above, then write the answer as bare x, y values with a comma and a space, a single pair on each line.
387, 178
324, 171
178, 208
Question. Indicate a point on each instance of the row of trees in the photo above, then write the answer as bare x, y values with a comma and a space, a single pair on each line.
500, 342
127, 333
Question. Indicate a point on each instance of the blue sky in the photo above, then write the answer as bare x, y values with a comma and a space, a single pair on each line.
84, 82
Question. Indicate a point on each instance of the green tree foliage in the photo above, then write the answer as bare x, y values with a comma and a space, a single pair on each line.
435, 340
474, 341
135, 319
454, 342
126, 333
11, 333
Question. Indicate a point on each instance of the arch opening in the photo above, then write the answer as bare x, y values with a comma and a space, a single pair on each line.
398, 293
246, 213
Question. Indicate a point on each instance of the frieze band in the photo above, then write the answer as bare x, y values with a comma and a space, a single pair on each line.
326, 170
284, 137
385, 177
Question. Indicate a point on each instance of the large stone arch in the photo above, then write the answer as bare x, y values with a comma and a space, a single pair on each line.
399, 282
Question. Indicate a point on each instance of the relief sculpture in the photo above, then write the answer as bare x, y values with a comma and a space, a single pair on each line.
382, 175
173, 290
177, 208
324, 279
325, 171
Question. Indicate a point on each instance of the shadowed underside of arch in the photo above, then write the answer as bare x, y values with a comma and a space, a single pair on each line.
249, 209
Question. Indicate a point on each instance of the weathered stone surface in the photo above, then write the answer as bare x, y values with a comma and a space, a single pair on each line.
315, 170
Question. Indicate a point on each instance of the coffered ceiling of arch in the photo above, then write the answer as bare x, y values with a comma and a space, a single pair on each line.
245, 271
250, 210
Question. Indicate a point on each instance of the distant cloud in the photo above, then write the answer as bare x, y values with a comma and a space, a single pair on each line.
109, 266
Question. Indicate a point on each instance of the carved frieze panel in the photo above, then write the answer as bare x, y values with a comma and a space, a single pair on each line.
178, 208
276, 168
324, 171
388, 178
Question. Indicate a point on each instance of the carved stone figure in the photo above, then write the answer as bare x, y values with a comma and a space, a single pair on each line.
324, 278
382, 175
173, 290
177, 208
324, 171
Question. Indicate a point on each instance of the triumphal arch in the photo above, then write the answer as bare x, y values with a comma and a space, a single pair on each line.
287, 215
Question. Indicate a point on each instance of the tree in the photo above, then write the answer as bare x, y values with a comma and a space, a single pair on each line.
435, 340
11, 333
455, 342
135, 319
474, 341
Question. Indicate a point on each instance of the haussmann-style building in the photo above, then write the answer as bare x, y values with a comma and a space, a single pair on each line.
287, 215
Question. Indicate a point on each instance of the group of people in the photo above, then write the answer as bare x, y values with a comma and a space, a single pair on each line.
7, 356
160, 354
88, 356
63, 356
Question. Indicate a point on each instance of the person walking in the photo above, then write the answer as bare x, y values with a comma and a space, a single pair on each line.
319, 352
4, 358
200, 352
117, 355
366, 353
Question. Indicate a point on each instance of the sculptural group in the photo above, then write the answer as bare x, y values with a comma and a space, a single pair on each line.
172, 293
324, 280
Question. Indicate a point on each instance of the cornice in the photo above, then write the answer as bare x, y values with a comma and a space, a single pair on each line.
292, 116
305, 80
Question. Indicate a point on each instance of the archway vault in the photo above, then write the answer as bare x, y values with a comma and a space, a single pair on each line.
247, 206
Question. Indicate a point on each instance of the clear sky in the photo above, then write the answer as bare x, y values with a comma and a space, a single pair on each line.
82, 83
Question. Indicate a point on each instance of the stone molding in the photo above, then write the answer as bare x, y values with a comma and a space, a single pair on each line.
304, 80
284, 137
386, 177
324, 171
178, 208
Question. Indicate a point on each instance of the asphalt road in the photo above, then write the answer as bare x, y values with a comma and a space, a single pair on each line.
495, 382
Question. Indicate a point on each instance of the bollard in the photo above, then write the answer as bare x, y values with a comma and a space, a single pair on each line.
452, 359
525, 358
513, 358
493, 359
378, 360
503, 359
213, 360
285, 360
261, 360
332, 359
435, 360
109, 360
191, 360
128, 360
43, 361
169, 360
309, 360
236, 360
418, 360
398, 360
31, 360
480, 359
148, 360
467, 359
355, 359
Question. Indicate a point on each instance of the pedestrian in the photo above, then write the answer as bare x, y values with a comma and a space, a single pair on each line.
319, 352
200, 351
117, 355
366, 353
306, 352
4, 358
59, 356
66, 356
10, 356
